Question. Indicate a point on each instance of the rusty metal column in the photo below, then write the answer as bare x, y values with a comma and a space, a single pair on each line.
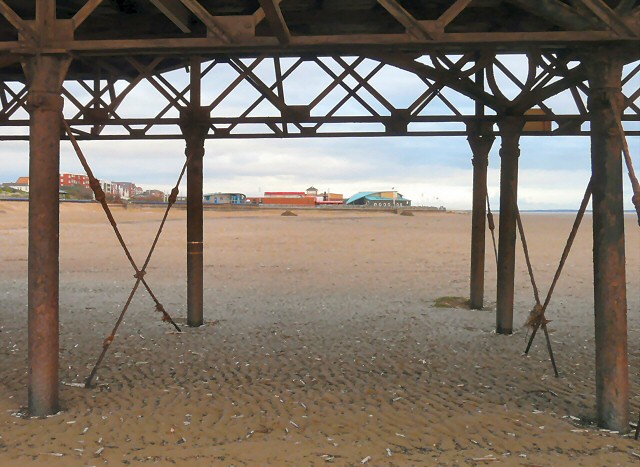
510, 132
194, 123
612, 372
480, 140
44, 103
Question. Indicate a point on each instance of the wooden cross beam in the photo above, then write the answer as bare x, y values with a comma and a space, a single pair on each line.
84, 12
625, 6
276, 21
556, 12
413, 26
176, 12
610, 18
452, 12
207, 19
16, 21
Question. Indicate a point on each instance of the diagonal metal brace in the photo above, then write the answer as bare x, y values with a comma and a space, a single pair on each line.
100, 196
538, 309
492, 227
538, 319
139, 273
635, 185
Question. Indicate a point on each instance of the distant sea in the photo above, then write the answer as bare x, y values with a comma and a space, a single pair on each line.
552, 211
561, 211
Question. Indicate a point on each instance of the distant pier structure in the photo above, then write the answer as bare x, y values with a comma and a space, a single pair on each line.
82, 59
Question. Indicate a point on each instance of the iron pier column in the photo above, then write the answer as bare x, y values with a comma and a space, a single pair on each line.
510, 132
612, 373
480, 139
44, 102
194, 123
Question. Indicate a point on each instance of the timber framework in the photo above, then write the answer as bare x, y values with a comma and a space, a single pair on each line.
81, 60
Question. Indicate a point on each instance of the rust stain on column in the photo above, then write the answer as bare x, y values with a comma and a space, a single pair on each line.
612, 372
195, 259
194, 122
480, 140
510, 131
45, 107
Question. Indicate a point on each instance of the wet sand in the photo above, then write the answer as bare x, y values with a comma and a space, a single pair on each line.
322, 345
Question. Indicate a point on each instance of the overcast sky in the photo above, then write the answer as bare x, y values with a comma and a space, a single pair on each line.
428, 170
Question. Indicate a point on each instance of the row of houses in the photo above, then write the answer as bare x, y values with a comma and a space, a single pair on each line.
114, 190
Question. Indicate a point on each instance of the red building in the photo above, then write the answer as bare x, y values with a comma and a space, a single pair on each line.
71, 179
305, 198
283, 200
284, 194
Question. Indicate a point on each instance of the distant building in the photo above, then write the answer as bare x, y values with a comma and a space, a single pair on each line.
225, 198
126, 190
379, 199
309, 197
152, 195
303, 201
284, 198
284, 194
329, 199
65, 180
73, 179
19, 185
333, 196
107, 187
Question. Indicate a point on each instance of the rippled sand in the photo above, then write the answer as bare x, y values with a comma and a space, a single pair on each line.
322, 345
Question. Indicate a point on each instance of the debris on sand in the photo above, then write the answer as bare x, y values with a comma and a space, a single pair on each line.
406, 213
289, 213
452, 302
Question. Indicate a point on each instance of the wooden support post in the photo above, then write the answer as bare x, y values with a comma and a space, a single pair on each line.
194, 123
480, 139
44, 74
612, 372
510, 131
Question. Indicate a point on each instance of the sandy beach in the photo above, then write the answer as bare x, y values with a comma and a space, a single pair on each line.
322, 345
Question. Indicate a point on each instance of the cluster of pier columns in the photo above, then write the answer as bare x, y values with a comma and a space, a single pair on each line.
610, 306
45, 75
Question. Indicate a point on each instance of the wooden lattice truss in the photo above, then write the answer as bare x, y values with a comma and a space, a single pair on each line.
457, 61
343, 96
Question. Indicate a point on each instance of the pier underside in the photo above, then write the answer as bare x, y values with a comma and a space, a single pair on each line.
484, 69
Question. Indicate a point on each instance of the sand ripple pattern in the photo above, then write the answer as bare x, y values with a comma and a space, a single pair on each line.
317, 350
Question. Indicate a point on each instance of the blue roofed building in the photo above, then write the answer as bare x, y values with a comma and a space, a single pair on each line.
378, 199
224, 198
